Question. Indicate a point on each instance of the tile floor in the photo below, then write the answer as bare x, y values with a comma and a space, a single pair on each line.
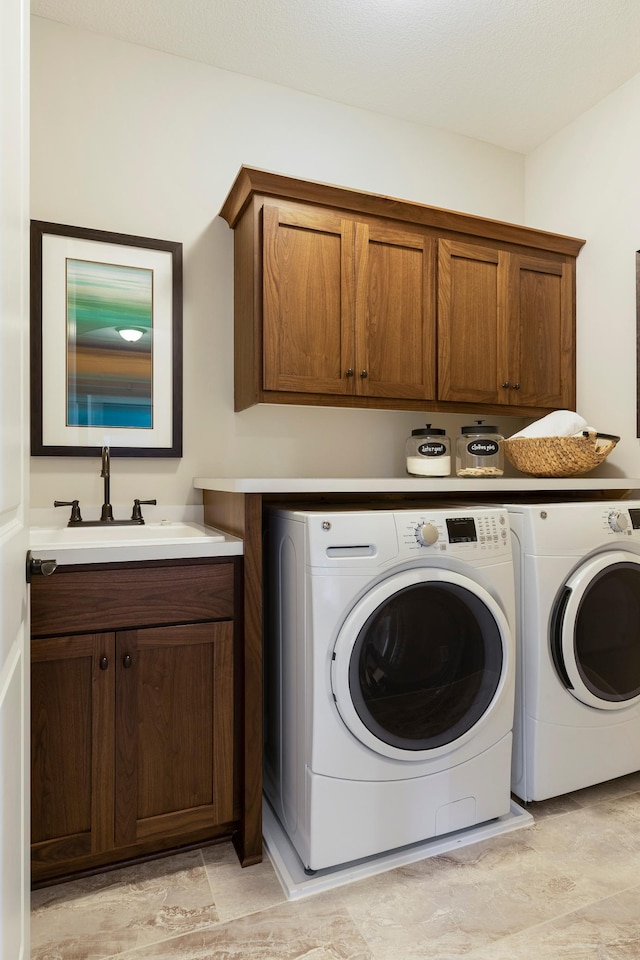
566, 887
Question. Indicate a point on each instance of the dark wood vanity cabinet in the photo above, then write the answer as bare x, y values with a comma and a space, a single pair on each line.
134, 683
344, 298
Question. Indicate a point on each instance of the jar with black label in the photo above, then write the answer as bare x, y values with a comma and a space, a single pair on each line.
479, 451
428, 453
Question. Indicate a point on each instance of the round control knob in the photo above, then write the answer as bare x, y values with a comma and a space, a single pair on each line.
618, 521
426, 534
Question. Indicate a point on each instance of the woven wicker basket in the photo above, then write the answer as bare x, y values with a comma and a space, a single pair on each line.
559, 456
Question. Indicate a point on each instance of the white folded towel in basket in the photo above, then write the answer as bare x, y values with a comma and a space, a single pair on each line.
559, 423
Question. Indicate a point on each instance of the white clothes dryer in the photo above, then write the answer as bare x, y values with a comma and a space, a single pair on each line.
577, 718
389, 676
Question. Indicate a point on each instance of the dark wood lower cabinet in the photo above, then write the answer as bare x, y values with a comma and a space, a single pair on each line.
72, 749
133, 729
174, 730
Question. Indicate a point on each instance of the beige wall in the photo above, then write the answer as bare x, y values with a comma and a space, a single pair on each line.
587, 179
135, 141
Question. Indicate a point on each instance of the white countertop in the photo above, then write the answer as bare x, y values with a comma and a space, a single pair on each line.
501, 485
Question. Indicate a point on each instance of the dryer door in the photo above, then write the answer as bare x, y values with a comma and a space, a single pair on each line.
420, 663
595, 631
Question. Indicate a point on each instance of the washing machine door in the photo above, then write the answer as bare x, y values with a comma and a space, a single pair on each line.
595, 631
420, 663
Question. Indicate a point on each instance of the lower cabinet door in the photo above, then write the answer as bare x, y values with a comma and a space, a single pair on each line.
174, 730
72, 748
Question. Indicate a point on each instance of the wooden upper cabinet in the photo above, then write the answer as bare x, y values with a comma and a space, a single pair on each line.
345, 298
308, 300
347, 306
505, 328
395, 339
542, 333
472, 286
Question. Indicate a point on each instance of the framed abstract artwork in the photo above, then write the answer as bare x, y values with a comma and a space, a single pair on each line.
638, 343
106, 343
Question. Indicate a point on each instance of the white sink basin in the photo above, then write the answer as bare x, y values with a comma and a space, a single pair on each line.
134, 533
148, 541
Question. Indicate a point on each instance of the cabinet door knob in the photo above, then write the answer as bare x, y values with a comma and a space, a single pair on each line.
126, 661
104, 663
350, 372
364, 374
516, 386
505, 385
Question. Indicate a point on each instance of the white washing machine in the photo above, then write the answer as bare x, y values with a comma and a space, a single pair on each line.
389, 683
577, 719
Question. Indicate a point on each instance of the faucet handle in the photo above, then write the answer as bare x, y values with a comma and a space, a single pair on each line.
76, 516
137, 512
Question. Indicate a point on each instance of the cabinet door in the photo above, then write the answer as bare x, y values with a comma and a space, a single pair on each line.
308, 300
72, 747
472, 321
174, 730
395, 313
541, 365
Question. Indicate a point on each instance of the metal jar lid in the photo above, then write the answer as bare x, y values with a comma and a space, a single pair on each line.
428, 432
479, 427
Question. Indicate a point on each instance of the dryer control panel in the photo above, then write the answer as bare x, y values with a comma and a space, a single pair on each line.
575, 528
621, 518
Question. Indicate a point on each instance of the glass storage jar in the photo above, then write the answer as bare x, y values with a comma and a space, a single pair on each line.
479, 451
428, 453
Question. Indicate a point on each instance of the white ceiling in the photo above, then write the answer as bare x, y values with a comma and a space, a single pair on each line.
511, 72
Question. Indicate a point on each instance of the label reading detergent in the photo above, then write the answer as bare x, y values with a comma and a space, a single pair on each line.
432, 449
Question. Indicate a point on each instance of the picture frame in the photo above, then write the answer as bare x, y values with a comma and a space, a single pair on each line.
638, 343
106, 343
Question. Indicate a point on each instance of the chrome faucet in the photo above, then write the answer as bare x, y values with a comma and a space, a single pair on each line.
106, 515
107, 511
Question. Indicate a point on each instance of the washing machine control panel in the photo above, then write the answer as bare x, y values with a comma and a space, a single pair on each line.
618, 520
461, 533
427, 534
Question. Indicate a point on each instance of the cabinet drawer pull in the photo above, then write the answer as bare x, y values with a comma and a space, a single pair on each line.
104, 663
126, 661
